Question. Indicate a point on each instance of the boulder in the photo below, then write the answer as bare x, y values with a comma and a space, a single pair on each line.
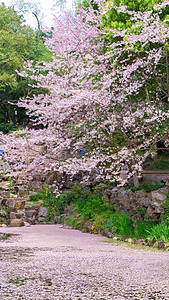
30, 213
159, 196
10, 203
26, 224
16, 223
58, 219
20, 215
161, 245
42, 213
107, 234
31, 220
12, 215
19, 204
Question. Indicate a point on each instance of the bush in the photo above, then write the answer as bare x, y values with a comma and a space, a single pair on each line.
55, 205
75, 195
90, 206
147, 187
7, 127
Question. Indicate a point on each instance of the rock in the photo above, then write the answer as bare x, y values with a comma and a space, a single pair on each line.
26, 224
5, 185
161, 245
12, 215
31, 220
5, 194
3, 225
16, 223
19, 204
159, 196
10, 203
69, 210
139, 242
40, 203
145, 202
42, 213
115, 238
154, 213
107, 233
1, 200
57, 219
35, 207
140, 194
30, 213
19, 215
129, 240
149, 212
4, 167
27, 207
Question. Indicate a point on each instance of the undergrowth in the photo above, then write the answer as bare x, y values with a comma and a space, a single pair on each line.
89, 209
148, 186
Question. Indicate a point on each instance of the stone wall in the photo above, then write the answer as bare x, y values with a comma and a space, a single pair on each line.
138, 204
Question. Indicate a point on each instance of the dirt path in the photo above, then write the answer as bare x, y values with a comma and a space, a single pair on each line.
46, 262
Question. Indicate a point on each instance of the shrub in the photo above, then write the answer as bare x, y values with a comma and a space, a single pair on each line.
55, 205
7, 127
75, 195
90, 206
148, 186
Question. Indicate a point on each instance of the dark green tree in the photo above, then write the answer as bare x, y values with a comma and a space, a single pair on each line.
18, 44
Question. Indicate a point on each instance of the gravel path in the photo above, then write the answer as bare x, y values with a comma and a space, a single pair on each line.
46, 262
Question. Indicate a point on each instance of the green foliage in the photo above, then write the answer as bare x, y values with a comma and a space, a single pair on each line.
116, 20
159, 232
18, 43
148, 186
165, 216
161, 165
7, 127
99, 189
142, 229
90, 207
122, 224
55, 204
74, 195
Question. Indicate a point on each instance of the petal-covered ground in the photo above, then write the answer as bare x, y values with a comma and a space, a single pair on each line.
46, 262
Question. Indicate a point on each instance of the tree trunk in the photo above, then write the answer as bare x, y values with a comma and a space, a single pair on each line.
135, 180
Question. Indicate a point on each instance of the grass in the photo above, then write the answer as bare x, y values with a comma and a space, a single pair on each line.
161, 164
159, 232
31, 203
134, 246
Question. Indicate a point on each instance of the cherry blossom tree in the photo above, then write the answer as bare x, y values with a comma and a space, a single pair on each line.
105, 99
